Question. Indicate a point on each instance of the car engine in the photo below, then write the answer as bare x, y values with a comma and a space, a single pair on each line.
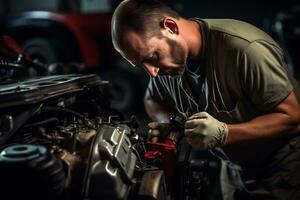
59, 140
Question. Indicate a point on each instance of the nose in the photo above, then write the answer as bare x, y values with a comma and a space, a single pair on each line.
151, 70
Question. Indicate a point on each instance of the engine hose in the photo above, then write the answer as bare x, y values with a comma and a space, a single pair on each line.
40, 123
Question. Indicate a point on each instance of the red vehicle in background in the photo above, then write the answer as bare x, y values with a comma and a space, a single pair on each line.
75, 32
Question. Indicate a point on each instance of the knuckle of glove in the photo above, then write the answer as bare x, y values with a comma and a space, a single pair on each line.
190, 124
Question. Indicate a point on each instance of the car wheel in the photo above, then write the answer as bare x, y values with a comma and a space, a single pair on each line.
40, 49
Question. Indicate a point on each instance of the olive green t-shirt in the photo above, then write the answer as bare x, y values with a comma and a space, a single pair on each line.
242, 75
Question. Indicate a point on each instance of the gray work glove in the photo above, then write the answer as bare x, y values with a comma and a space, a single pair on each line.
205, 132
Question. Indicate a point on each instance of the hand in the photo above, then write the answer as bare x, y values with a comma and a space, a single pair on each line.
205, 132
157, 130
161, 132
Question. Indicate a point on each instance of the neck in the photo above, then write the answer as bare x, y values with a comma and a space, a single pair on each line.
193, 38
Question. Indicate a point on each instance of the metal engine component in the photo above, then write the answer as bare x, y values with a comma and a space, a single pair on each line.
153, 186
112, 164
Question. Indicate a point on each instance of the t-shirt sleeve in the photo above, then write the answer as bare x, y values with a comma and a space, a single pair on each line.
263, 75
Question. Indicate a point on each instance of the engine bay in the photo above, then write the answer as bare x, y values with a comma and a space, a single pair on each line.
60, 139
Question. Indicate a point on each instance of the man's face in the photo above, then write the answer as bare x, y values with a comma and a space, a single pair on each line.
158, 56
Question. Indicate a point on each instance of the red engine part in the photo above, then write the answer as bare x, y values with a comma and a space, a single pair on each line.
165, 154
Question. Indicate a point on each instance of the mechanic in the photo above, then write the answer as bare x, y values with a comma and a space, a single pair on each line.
230, 79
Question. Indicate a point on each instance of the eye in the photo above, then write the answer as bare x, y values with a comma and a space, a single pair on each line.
156, 56
153, 58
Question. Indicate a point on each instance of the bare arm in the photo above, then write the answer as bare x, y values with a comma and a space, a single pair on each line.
157, 111
285, 118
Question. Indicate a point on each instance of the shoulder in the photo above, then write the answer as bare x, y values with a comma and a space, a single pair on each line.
262, 51
264, 75
237, 29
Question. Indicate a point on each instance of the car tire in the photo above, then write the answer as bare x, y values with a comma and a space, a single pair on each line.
41, 49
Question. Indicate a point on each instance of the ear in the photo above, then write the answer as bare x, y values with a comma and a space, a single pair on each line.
170, 25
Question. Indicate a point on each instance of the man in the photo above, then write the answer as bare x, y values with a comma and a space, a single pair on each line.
229, 78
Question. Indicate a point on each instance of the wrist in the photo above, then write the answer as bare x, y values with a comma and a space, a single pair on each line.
223, 134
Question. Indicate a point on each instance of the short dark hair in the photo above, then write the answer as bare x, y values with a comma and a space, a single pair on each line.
141, 16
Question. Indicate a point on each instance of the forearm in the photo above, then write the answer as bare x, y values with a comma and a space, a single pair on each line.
266, 126
157, 111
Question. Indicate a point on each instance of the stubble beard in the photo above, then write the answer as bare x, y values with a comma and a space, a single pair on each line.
178, 55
